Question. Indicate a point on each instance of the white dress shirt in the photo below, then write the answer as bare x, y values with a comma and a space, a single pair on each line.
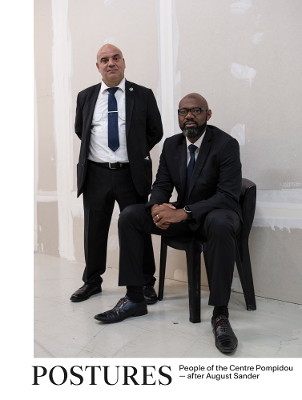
98, 149
197, 144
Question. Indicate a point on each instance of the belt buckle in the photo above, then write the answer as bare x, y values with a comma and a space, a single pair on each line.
112, 167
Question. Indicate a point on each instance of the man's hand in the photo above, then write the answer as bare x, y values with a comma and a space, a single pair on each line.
165, 214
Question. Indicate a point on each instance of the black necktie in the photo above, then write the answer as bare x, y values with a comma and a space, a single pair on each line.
113, 138
192, 148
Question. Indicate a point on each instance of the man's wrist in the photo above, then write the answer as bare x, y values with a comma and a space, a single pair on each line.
188, 212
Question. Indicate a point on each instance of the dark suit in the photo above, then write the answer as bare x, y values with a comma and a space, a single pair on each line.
213, 198
102, 187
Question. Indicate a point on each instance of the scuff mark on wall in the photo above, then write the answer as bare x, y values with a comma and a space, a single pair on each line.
257, 20
243, 72
287, 185
275, 222
279, 209
238, 133
241, 6
110, 40
281, 197
77, 210
43, 196
257, 37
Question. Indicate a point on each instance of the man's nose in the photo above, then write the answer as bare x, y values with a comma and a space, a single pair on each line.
189, 115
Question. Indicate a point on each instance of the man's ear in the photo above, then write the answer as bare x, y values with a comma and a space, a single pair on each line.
209, 114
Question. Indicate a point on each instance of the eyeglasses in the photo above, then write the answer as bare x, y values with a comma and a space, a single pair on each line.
194, 111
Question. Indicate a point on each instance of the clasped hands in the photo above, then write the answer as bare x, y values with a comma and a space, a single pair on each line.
165, 214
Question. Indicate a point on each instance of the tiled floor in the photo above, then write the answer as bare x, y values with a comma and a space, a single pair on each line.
66, 329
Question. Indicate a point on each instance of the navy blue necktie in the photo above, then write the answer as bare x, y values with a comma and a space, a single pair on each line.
192, 148
113, 138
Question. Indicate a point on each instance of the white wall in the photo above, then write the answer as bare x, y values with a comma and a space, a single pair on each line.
243, 56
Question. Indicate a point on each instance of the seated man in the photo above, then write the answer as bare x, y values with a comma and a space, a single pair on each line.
203, 164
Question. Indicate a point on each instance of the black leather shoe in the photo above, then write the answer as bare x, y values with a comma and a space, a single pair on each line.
149, 294
125, 308
85, 292
225, 339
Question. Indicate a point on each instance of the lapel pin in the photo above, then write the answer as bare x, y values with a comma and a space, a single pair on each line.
131, 89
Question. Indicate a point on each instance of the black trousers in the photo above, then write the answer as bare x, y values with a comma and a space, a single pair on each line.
219, 229
102, 188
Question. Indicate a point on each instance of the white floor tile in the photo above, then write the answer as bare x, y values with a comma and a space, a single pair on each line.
66, 329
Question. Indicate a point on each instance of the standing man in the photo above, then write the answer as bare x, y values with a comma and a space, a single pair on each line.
118, 123
203, 164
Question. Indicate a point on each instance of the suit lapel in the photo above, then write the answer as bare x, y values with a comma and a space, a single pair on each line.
202, 156
91, 100
182, 157
129, 96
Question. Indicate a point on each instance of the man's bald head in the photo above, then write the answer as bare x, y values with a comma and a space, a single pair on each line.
194, 97
108, 47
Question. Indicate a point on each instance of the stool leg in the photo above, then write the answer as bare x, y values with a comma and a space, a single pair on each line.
162, 269
244, 268
193, 270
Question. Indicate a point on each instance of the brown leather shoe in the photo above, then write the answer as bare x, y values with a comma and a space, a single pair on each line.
225, 339
125, 308
85, 292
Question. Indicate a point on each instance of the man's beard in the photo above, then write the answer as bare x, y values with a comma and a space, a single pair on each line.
194, 132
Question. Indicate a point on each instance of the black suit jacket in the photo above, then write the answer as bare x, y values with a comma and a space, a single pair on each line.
216, 179
143, 131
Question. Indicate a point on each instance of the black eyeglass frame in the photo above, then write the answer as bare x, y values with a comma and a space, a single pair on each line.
193, 111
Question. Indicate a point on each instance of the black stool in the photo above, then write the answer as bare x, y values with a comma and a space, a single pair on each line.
193, 247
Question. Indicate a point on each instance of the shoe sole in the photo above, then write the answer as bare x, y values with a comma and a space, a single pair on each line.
149, 302
122, 319
75, 300
226, 351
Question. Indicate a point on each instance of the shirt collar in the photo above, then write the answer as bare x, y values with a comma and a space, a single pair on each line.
121, 85
198, 142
